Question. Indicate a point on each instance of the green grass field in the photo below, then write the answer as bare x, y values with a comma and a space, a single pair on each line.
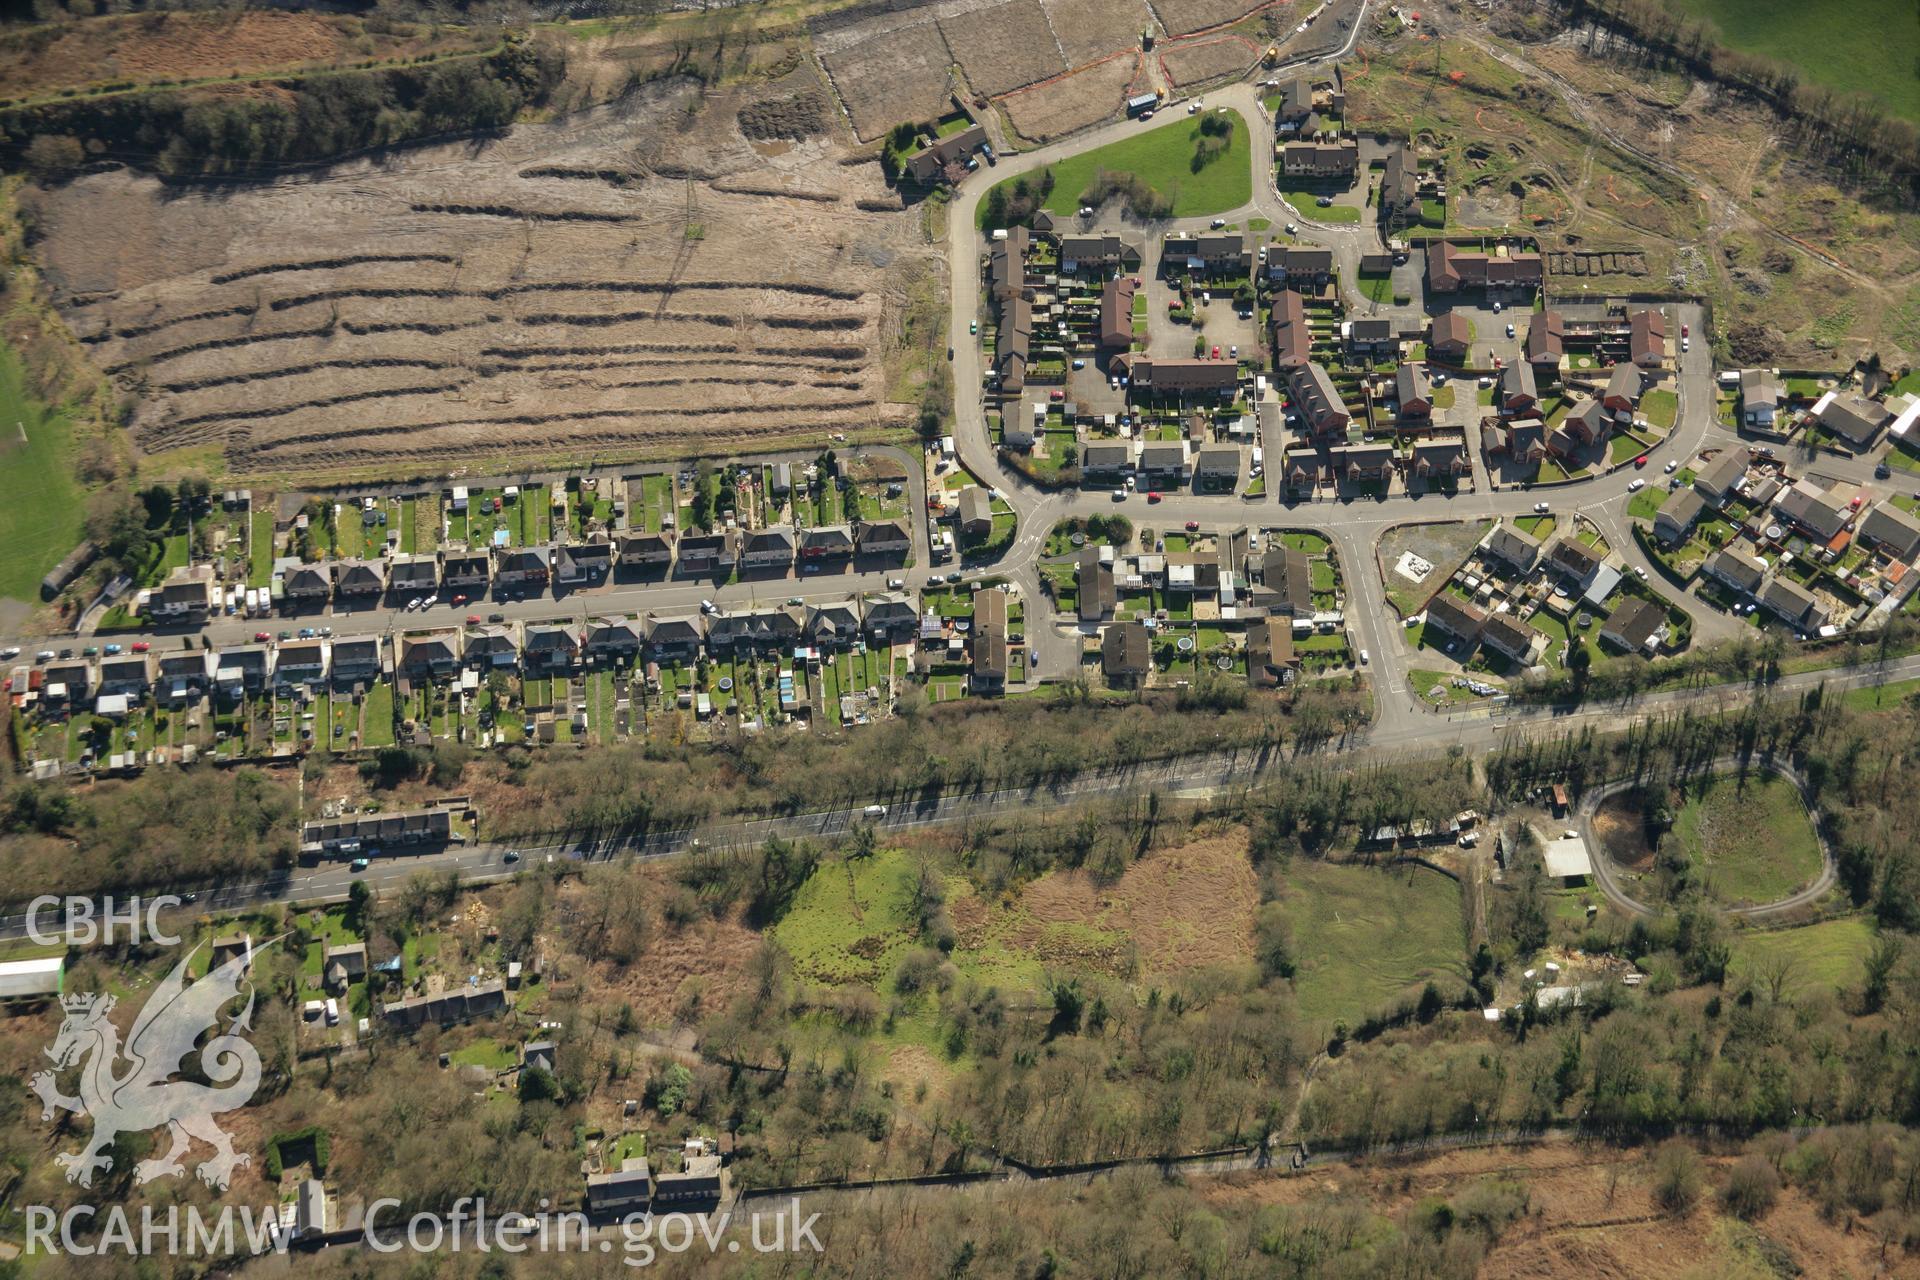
1306, 203
1753, 844
1364, 937
1854, 46
850, 921
40, 508
1162, 158
1829, 954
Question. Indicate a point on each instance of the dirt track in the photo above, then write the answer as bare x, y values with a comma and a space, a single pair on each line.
568, 288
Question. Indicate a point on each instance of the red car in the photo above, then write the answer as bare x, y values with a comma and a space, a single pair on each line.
1216, 353
1153, 495
1640, 461
1193, 526
1685, 332
473, 619
140, 646
1056, 395
459, 599
261, 637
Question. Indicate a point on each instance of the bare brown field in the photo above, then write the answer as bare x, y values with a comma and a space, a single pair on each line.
1182, 16
1072, 102
188, 46
891, 76
1004, 47
1591, 1213
1208, 59
601, 284
1092, 29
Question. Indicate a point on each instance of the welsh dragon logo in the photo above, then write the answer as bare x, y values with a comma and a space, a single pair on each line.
132, 1090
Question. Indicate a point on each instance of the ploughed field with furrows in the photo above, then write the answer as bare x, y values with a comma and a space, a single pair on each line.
525, 297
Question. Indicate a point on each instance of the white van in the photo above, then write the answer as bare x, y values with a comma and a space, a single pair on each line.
333, 1012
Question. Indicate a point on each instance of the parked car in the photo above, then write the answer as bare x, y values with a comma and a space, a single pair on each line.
1193, 526
1119, 495
1540, 508
112, 649
473, 619
1153, 495
1509, 331
1636, 486
496, 617
1882, 472
1672, 467
261, 637
358, 865
307, 633
1640, 461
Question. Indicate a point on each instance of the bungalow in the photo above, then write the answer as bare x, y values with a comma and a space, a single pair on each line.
1819, 511
1318, 399
1413, 391
1371, 337
931, 161
1116, 313
1719, 480
359, 578
1097, 597
1216, 468
1677, 515
1647, 338
637, 549
1211, 253
1455, 618
188, 595
1518, 392
1286, 574
551, 647
702, 554
1270, 657
1736, 569
1292, 338
491, 648
1793, 604
989, 648
890, 617
1124, 649
674, 637
523, 567
1451, 337
350, 958
703, 1181
1361, 463
1440, 460
306, 586
616, 639
891, 538
1512, 639
622, 1191
1546, 345
466, 569
834, 625
1892, 530
355, 661
1106, 461
1299, 266
430, 654
1336, 159
1624, 385
1637, 626
1852, 417
975, 517
1760, 397
770, 548
1164, 463
1513, 547
1451, 268
409, 575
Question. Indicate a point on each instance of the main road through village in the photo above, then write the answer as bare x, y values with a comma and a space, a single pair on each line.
1402, 725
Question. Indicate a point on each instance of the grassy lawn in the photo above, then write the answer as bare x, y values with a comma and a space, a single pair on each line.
1753, 843
1623, 449
1829, 954
1378, 288
376, 716
260, 549
1660, 406
40, 508
1646, 503
1365, 937
1304, 201
1820, 38
1161, 157
1540, 527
